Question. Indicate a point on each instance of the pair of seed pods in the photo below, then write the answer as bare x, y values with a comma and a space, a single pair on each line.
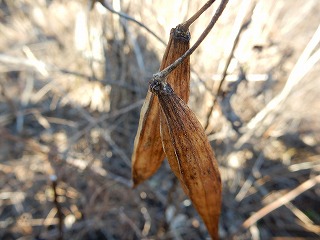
168, 127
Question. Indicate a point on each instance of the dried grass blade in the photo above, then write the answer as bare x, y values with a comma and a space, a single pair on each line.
148, 152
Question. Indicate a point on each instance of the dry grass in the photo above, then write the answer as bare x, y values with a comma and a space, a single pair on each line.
72, 84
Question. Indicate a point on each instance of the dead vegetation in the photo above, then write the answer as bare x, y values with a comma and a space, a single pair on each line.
73, 78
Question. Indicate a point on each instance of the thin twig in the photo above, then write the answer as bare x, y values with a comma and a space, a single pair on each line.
58, 207
306, 61
185, 26
132, 224
281, 201
161, 76
298, 72
105, 117
117, 149
226, 106
248, 183
123, 15
241, 22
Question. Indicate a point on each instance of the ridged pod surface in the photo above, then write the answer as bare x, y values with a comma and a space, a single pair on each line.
190, 155
148, 153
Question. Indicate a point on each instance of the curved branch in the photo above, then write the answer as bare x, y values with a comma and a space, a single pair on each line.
161, 76
191, 20
123, 15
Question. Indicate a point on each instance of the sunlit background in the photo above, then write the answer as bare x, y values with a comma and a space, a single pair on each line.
73, 77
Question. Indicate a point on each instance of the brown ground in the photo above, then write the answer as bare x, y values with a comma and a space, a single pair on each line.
72, 84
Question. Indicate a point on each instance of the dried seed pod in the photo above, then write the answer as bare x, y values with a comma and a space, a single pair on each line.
148, 152
190, 155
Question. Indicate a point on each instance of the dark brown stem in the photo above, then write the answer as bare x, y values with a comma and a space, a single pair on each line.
245, 23
161, 76
123, 15
58, 207
185, 26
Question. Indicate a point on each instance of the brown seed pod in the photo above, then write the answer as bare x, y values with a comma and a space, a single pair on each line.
148, 152
190, 155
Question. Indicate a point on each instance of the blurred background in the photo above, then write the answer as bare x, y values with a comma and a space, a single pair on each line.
73, 77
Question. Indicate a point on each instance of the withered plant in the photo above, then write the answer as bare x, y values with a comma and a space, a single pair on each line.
168, 127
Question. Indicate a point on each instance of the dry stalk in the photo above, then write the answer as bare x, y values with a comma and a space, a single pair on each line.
241, 22
162, 75
265, 117
53, 179
281, 201
185, 26
123, 15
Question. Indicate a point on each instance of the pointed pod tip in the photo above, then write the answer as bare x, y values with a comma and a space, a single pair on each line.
133, 184
135, 181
